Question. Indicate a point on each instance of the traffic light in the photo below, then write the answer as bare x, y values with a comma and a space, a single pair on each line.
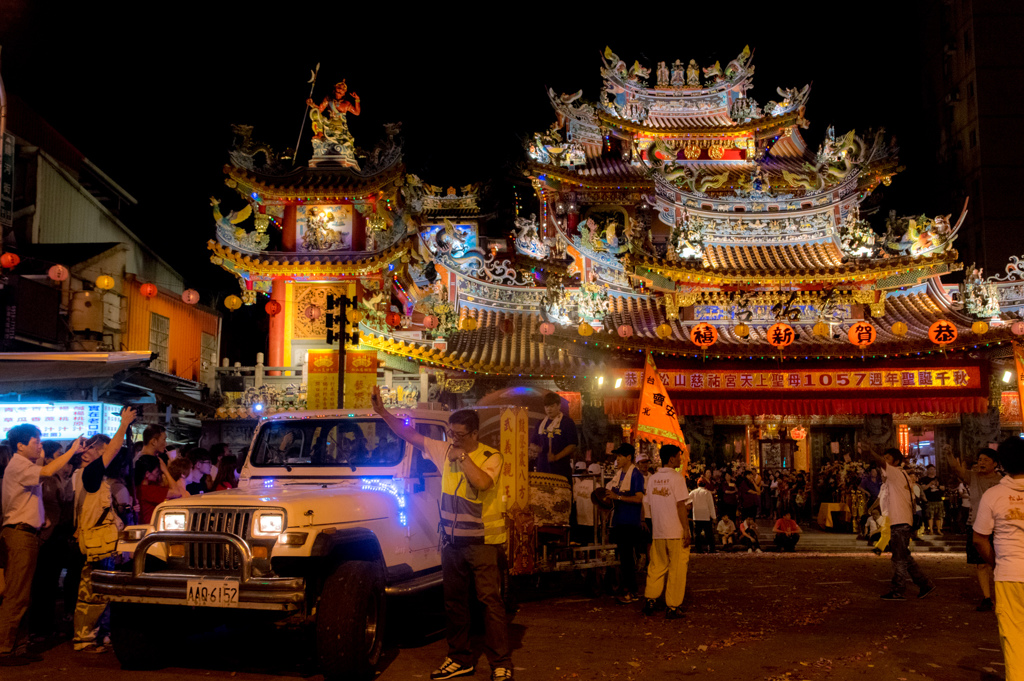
335, 320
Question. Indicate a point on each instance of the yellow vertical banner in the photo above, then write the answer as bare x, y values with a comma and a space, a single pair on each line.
360, 377
322, 384
523, 456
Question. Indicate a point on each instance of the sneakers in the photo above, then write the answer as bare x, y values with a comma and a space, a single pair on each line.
500, 673
985, 605
758, 551
674, 614
649, 607
925, 591
627, 598
450, 669
893, 596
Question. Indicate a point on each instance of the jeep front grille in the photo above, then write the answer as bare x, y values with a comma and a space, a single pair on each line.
235, 521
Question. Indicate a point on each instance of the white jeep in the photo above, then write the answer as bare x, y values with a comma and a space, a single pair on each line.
332, 514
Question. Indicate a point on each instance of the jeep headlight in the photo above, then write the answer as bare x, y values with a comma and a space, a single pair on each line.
269, 524
172, 520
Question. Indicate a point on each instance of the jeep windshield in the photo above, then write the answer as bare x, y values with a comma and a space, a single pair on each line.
345, 442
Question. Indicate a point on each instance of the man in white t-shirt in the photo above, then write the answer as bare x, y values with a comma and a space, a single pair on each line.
900, 504
1000, 521
670, 553
702, 504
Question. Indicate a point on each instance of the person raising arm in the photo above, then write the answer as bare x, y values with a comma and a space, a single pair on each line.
462, 441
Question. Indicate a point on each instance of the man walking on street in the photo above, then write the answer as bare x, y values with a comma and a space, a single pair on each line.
670, 553
901, 517
1000, 521
23, 517
703, 508
979, 479
473, 526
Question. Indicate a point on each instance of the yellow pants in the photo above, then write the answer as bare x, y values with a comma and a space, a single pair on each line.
1010, 615
886, 534
668, 557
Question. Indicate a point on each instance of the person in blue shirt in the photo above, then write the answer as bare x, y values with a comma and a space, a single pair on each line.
626, 490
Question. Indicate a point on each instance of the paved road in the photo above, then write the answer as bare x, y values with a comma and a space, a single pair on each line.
770, 617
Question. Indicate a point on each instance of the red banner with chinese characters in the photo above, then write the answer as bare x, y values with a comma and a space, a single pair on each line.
657, 420
322, 382
360, 377
1018, 360
837, 382
1009, 409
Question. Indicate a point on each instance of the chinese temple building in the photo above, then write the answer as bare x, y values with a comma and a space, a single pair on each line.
673, 214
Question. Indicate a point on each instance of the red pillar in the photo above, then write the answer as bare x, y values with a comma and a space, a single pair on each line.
275, 344
288, 230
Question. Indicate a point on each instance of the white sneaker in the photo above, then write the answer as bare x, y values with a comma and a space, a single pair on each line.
760, 551
750, 550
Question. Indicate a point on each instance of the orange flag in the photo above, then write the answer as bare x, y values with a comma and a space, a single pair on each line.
657, 420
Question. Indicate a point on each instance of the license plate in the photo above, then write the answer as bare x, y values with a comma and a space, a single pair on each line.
215, 593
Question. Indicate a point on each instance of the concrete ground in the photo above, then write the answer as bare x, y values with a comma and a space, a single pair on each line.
772, 617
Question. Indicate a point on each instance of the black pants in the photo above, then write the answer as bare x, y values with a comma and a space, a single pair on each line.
786, 542
753, 543
54, 555
629, 542
465, 567
904, 567
704, 535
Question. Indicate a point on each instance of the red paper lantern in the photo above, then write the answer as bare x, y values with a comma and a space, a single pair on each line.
430, 321
313, 312
148, 290
625, 330
9, 260
1017, 328
547, 328
190, 296
393, 319
58, 273
942, 332
273, 308
507, 326
703, 335
780, 335
862, 334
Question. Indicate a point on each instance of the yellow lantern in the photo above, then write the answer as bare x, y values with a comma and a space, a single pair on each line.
104, 282
232, 302
468, 324
663, 331
820, 329
354, 316
899, 329
979, 327
742, 330
585, 329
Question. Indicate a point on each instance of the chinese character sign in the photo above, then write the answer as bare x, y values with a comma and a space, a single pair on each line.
956, 377
703, 335
657, 420
780, 335
862, 334
515, 438
942, 332
360, 377
322, 384
1018, 358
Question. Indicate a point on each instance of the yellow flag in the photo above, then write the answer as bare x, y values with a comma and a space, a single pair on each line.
656, 419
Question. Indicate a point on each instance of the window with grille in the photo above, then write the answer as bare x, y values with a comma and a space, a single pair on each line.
159, 340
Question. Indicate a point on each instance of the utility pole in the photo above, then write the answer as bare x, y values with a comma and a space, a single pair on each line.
335, 321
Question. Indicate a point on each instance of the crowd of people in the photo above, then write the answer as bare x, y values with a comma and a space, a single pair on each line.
61, 505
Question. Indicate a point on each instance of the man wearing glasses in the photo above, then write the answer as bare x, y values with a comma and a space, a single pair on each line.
473, 531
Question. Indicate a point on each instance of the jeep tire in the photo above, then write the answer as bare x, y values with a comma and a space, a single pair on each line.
350, 621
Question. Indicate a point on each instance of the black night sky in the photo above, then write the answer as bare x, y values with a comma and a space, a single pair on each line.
148, 92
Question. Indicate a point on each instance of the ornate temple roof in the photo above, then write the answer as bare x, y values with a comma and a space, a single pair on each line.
313, 183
